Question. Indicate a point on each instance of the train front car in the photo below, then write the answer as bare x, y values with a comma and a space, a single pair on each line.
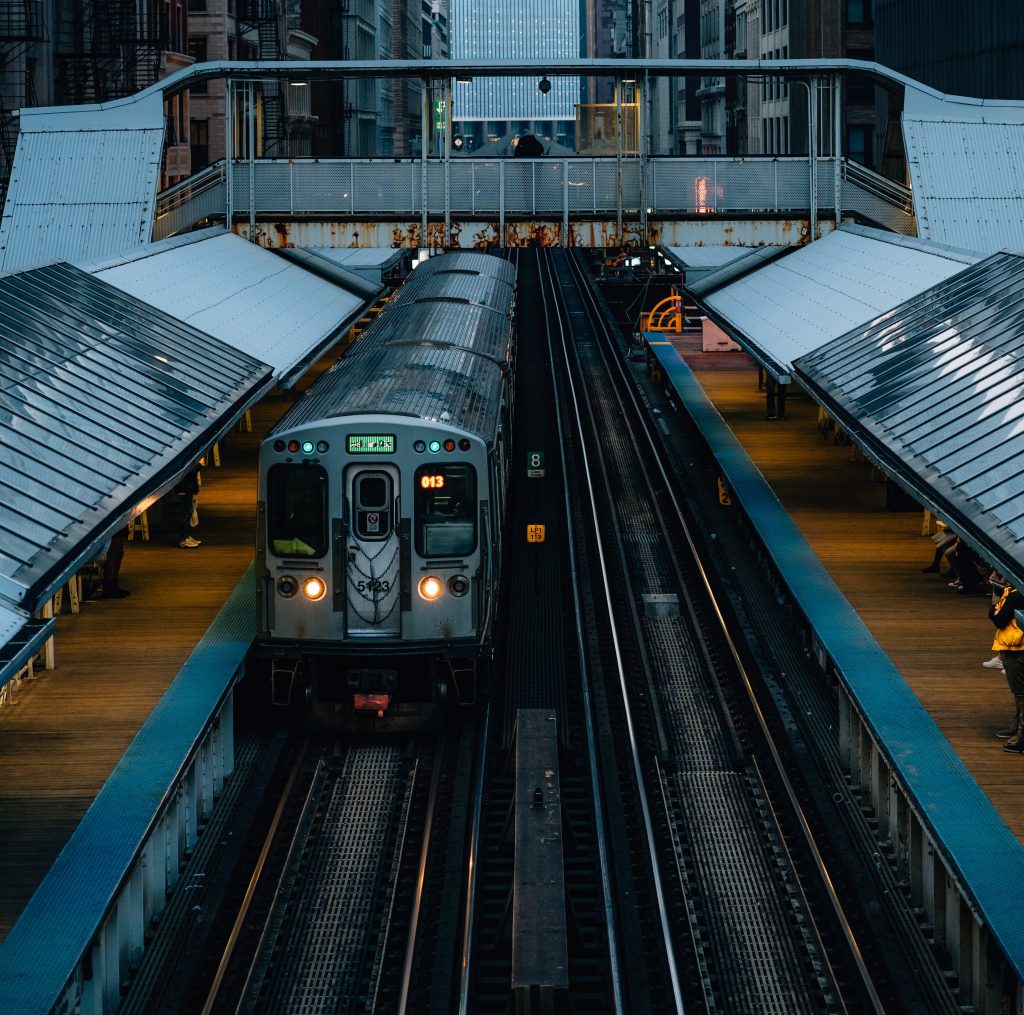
380, 505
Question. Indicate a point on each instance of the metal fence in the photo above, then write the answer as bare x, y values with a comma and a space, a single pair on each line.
523, 188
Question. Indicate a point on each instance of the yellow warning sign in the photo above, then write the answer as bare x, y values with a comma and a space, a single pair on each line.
535, 533
723, 493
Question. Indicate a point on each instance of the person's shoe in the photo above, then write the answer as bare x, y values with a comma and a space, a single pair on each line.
116, 594
1015, 745
995, 663
1006, 731
188, 543
931, 569
955, 585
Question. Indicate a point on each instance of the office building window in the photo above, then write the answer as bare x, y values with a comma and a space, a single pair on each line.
197, 50
860, 12
859, 144
199, 141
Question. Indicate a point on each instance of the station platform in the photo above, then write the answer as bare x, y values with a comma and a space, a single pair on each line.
68, 727
935, 638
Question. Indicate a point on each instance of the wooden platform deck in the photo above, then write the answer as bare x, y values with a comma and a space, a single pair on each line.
938, 640
69, 726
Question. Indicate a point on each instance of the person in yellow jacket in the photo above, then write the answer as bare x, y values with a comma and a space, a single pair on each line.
1009, 643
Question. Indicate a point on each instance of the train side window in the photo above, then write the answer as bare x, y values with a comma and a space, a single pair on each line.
445, 510
297, 510
371, 493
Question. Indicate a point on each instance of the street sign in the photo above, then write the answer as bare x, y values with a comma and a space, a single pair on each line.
534, 464
535, 533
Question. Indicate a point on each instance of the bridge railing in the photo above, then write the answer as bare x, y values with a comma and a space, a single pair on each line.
524, 188
183, 205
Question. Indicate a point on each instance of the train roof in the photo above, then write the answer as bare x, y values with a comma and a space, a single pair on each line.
438, 352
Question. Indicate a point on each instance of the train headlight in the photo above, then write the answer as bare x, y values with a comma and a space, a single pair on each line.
458, 585
431, 588
314, 588
287, 586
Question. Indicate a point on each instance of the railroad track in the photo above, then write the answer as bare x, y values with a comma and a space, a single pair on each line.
693, 877
728, 912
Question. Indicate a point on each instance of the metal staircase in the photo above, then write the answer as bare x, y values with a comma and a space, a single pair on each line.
21, 28
259, 24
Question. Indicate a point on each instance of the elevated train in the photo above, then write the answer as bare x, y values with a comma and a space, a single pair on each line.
381, 499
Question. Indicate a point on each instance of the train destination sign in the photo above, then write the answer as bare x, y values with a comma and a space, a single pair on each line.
371, 443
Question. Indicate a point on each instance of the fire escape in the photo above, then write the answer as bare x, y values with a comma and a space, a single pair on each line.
21, 28
258, 24
104, 49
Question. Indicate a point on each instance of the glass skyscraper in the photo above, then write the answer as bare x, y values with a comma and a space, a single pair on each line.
508, 32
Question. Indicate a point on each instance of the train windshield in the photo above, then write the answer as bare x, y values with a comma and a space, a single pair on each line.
297, 510
445, 510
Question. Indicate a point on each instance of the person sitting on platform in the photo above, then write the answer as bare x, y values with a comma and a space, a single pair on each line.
967, 567
1009, 643
944, 540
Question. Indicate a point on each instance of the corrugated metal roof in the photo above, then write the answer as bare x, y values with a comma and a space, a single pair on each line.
243, 295
83, 183
355, 258
102, 402
966, 163
706, 257
20, 639
824, 289
935, 391
746, 264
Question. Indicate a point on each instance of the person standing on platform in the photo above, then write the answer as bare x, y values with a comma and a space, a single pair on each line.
187, 493
775, 399
112, 566
1009, 643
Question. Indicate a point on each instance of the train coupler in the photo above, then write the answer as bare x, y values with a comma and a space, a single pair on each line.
283, 676
463, 674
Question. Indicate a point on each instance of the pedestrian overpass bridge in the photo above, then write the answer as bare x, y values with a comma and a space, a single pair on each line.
85, 179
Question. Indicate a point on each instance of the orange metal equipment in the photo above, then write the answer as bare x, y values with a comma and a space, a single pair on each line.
666, 316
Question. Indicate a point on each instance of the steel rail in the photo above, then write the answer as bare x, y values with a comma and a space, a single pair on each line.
314, 786
669, 487
620, 665
421, 874
473, 867
250, 891
588, 707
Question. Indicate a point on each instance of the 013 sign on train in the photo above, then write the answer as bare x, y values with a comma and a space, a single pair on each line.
381, 500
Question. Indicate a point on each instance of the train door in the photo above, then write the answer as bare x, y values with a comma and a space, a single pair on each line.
372, 577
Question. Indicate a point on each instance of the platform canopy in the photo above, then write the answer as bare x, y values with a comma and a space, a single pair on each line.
933, 391
248, 297
375, 264
104, 402
83, 183
965, 158
697, 263
807, 298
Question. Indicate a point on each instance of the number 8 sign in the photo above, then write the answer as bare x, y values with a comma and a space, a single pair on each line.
534, 464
